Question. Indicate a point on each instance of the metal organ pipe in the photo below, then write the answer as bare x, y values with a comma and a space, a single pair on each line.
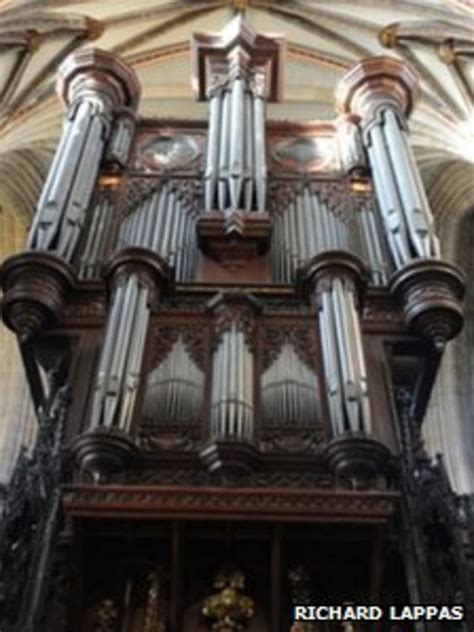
381, 92
260, 167
174, 389
66, 195
232, 387
223, 194
388, 196
415, 204
372, 244
211, 173
95, 85
289, 390
119, 365
164, 223
236, 171
305, 227
92, 256
344, 363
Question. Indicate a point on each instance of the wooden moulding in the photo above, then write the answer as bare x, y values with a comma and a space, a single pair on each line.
35, 284
239, 503
235, 237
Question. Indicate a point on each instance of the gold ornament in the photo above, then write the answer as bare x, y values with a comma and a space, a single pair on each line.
106, 618
230, 610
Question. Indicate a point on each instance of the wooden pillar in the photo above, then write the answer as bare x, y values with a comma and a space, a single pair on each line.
376, 562
176, 584
276, 575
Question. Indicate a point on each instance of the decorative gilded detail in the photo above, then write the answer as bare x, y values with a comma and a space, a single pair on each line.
107, 617
155, 607
301, 594
229, 609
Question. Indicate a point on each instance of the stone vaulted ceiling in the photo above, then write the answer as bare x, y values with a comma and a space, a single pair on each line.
324, 38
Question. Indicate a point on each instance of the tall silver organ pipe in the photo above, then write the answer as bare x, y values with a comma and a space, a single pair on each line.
232, 406
94, 251
372, 245
289, 391
305, 227
164, 223
343, 356
381, 92
118, 374
95, 85
405, 211
235, 175
174, 389
61, 210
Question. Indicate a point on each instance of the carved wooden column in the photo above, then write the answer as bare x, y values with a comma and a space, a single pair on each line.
232, 414
381, 91
136, 278
335, 280
237, 71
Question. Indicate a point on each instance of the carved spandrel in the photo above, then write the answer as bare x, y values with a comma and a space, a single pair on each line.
164, 337
301, 338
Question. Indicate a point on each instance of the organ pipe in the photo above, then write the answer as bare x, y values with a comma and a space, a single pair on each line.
309, 225
344, 363
235, 175
93, 254
232, 408
164, 223
96, 85
174, 391
289, 391
119, 367
63, 203
381, 92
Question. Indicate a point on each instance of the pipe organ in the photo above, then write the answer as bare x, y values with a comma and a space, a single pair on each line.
402, 200
164, 222
235, 175
289, 390
232, 400
93, 254
343, 357
240, 322
175, 388
93, 99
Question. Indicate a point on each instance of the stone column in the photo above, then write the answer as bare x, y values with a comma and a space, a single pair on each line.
101, 93
136, 277
335, 281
